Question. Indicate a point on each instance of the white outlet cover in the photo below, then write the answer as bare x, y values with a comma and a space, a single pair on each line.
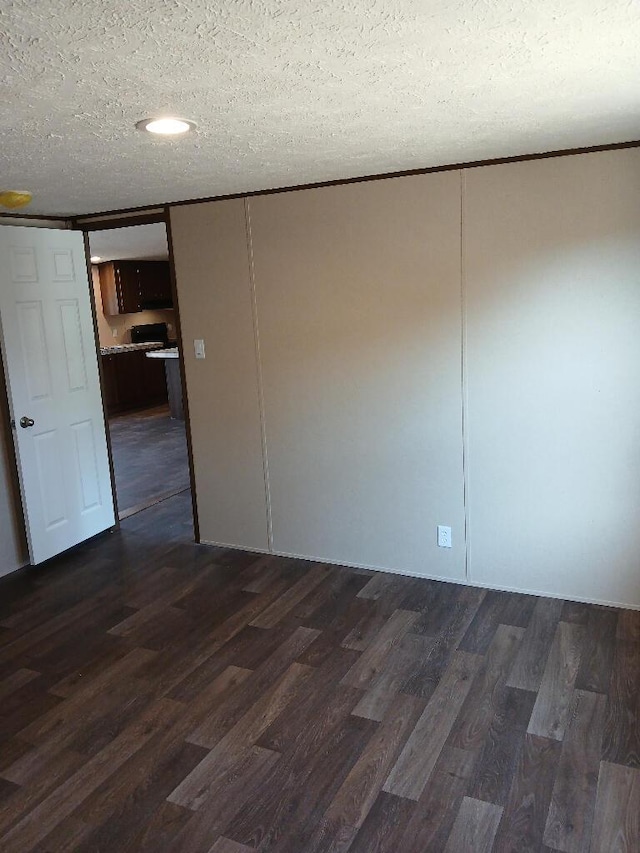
444, 536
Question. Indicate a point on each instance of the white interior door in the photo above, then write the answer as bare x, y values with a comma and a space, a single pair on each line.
51, 365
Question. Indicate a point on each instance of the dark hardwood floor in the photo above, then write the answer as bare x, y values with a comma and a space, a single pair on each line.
149, 458
160, 696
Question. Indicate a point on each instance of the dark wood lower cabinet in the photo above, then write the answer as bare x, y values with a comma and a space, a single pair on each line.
154, 379
174, 388
133, 381
110, 382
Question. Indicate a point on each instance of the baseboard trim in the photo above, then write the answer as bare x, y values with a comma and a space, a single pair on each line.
602, 602
14, 572
459, 582
262, 551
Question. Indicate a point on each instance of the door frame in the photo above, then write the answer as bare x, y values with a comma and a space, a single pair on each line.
96, 337
123, 221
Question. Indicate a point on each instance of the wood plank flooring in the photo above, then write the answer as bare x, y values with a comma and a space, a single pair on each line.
149, 458
160, 696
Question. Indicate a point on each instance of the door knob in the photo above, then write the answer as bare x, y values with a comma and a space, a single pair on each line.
25, 423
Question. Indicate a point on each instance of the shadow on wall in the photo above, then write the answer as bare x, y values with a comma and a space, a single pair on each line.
553, 369
13, 546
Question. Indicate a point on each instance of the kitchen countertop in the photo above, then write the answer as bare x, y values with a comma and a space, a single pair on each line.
116, 349
172, 352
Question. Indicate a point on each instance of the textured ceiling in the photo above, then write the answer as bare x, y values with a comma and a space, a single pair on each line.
139, 242
294, 92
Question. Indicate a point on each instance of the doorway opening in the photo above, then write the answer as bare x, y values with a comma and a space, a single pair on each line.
140, 364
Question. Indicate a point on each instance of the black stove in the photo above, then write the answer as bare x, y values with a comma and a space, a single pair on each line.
150, 332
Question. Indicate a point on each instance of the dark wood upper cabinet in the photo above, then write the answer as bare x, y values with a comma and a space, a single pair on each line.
119, 287
155, 285
131, 286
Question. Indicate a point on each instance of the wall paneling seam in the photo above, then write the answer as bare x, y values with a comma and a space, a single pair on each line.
259, 382
463, 378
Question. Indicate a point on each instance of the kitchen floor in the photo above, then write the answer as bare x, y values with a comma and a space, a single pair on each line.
149, 457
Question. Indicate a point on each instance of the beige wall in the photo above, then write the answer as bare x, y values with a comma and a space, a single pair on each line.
215, 302
13, 548
122, 323
360, 300
552, 260
358, 305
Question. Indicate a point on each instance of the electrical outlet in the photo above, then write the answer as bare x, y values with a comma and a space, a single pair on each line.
114, 332
444, 536
198, 346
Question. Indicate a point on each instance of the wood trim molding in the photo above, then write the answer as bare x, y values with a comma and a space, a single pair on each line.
5, 214
473, 164
183, 376
149, 213
108, 223
96, 337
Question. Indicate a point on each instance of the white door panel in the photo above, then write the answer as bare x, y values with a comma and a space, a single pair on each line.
52, 377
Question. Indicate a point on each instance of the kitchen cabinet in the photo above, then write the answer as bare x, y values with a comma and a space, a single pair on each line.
155, 285
170, 358
110, 382
132, 381
119, 287
131, 286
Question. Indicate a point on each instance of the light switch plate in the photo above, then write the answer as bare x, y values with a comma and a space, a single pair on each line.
198, 348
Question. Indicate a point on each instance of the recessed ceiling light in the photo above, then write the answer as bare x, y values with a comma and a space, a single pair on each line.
95, 259
166, 126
